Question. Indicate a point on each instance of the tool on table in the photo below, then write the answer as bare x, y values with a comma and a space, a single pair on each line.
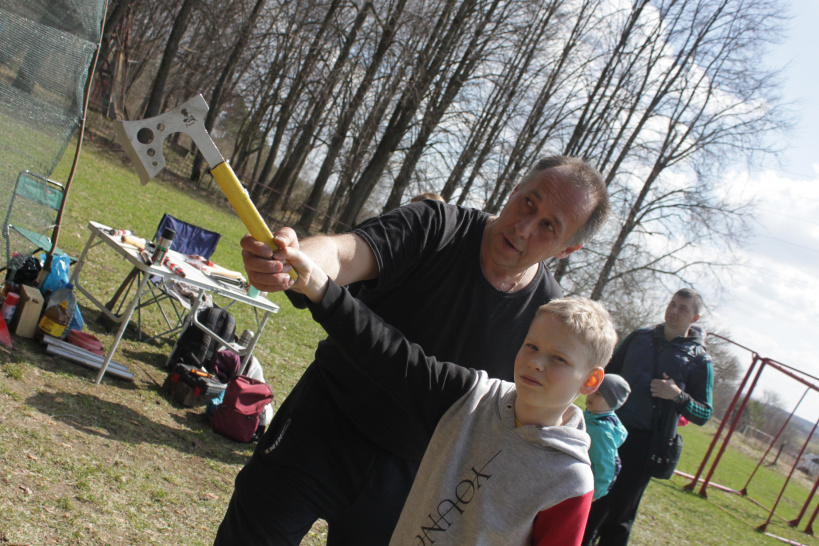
113, 232
143, 141
138, 242
177, 269
209, 268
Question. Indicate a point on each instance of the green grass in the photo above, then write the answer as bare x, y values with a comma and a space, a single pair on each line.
121, 463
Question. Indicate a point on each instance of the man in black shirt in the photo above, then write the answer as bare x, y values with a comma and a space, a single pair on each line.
462, 284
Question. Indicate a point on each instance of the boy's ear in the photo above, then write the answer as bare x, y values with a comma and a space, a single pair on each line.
593, 381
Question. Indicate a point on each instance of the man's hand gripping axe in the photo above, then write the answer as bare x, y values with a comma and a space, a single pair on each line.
143, 141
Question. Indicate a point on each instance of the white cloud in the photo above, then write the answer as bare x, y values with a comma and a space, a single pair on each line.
772, 306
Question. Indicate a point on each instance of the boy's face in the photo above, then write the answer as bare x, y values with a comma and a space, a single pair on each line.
551, 368
595, 403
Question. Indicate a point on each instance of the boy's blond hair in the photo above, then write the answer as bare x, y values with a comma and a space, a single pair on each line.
590, 321
427, 195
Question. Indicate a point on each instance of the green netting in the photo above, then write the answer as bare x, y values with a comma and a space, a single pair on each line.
46, 49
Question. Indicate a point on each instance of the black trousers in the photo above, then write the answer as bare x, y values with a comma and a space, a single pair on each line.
314, 463
611, 516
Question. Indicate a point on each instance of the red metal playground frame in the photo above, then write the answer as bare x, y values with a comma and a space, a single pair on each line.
758, 363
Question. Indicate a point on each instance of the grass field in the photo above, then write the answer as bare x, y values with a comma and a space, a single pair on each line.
121, 463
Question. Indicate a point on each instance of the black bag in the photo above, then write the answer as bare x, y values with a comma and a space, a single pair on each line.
196, 347
666, 445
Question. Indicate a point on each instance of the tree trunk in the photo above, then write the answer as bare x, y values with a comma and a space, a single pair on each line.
180, 24
440, 103
288, 172
346, 120
438, 47
225, 77
295, 92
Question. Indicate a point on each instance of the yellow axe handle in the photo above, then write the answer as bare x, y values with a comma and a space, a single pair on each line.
244, 207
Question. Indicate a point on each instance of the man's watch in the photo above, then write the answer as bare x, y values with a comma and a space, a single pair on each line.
679, 398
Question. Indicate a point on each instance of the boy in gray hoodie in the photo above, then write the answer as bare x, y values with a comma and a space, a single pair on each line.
507, 463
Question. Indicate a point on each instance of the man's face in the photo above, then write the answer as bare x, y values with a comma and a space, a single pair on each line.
537, 223
552, 366
680, 314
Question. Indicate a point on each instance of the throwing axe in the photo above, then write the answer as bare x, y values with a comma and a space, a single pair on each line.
143, 141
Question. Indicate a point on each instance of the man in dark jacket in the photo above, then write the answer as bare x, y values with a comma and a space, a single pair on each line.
687, 381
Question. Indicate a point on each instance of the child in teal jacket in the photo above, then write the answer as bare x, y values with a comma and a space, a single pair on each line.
606, 431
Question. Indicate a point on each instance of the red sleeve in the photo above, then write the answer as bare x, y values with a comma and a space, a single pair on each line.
563, 523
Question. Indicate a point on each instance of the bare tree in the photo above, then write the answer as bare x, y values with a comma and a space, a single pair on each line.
226, 76
440, 44
156, 97
348, 113
294, 161
727, 371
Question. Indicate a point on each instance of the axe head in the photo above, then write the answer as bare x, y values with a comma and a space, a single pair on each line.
143, 139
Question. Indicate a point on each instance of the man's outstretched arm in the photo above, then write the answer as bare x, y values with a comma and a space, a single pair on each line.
345, 258
424, 387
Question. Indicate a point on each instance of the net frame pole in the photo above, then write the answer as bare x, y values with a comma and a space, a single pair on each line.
46, 269
795, 522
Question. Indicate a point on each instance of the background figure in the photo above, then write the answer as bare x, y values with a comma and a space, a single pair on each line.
688, 379
606, 431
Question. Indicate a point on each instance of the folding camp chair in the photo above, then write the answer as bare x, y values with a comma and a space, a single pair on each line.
190, 240
32, 215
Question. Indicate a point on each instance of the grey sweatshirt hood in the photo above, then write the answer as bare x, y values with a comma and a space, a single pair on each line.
570, 438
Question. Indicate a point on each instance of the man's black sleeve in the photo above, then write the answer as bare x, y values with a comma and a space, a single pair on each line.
421, 385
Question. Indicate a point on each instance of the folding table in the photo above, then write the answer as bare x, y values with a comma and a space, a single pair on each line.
193, 277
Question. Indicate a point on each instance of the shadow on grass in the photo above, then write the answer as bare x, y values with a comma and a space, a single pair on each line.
94, 416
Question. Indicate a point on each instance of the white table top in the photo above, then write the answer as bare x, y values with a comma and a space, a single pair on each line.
193, 276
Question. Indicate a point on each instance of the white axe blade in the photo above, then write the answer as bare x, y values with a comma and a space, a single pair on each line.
143, 139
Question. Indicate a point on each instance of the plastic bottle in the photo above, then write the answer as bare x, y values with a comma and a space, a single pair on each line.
58, 314
9, 305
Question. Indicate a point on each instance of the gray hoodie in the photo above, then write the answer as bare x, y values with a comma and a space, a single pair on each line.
483, 481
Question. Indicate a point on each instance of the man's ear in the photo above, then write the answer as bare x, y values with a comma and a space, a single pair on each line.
566, 251
593, 381
696, 318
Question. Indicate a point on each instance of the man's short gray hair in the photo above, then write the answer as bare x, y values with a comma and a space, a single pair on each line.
586, 178
690, 293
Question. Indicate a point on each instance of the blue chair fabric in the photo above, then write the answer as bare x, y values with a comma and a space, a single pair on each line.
189, 239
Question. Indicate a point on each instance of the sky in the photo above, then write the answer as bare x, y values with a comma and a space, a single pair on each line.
772, 305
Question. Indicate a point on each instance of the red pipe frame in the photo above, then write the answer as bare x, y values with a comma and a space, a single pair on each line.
785, 370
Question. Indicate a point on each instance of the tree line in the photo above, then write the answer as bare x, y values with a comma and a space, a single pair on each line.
360, 104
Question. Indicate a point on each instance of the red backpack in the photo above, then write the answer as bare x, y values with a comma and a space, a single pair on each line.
237, 417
